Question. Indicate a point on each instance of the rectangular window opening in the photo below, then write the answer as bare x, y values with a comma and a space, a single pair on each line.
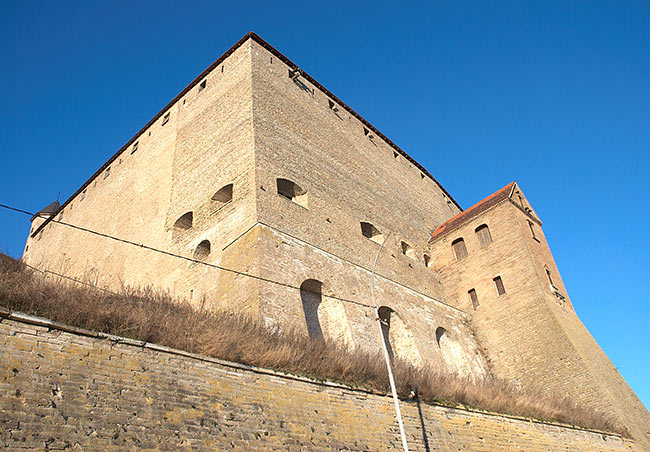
550, 279
135, 147
474, 298
498, 282
203, 84
165, 119
532, 230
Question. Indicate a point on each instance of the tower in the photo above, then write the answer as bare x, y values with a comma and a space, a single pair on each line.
496, 265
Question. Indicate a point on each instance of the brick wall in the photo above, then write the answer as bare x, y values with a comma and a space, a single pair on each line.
67, 389
529, 334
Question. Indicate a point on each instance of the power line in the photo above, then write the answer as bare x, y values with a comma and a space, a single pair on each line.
150, 248
78, 281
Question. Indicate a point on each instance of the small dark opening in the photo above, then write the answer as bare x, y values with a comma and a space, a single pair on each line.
474, 298
202, 251
498, 282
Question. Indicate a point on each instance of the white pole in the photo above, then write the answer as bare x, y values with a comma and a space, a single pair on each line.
384, 347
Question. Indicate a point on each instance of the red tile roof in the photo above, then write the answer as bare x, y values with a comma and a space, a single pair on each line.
473, 211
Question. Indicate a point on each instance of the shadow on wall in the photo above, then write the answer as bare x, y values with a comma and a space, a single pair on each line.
311, 294
398, 338
453, 354
325, 318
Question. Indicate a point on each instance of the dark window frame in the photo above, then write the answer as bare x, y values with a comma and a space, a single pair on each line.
498, 282
460, 248
484, 235
473, 296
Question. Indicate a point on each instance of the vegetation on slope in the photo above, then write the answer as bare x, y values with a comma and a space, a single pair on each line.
156, 318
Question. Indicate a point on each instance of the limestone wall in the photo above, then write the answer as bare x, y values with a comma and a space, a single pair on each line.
201, 143
349, 178
75, 390
345, 311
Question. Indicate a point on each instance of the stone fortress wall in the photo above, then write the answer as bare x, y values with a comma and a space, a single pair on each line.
68, 389
258, 168
249, 124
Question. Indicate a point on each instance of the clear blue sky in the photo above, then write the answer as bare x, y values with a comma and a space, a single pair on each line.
554, 94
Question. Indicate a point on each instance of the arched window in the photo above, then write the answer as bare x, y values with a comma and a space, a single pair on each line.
483, 234
182, 224
408, 250
370, 231
223, 196
384, 317
292, 191
459, 248
311, 296
427, 260
202, 251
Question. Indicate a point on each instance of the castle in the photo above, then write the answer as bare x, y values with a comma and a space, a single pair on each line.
258, 169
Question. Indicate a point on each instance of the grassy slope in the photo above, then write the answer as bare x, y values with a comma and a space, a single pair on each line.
156, 318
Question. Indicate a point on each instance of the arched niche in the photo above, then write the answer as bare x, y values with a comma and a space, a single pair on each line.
453, 354
399, 340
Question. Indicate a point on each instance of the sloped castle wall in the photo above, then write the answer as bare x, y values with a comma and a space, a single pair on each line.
66, 389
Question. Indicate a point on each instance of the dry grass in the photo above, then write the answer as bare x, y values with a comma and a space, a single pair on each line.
156, 318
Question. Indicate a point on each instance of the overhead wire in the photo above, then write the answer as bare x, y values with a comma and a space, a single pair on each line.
179, 256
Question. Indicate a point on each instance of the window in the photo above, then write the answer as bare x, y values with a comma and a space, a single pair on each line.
108, 172
223, 196
532, 230
165, 119
182, 224
550, 278
395, 154
498, 282
368, 230
312, 296
202, 251
135, 147
202, 85
408, 250
427, 260
292, 191
83, 195
473, 298
483, 234
459, 248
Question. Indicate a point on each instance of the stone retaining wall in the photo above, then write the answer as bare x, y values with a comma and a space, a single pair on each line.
68, 389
